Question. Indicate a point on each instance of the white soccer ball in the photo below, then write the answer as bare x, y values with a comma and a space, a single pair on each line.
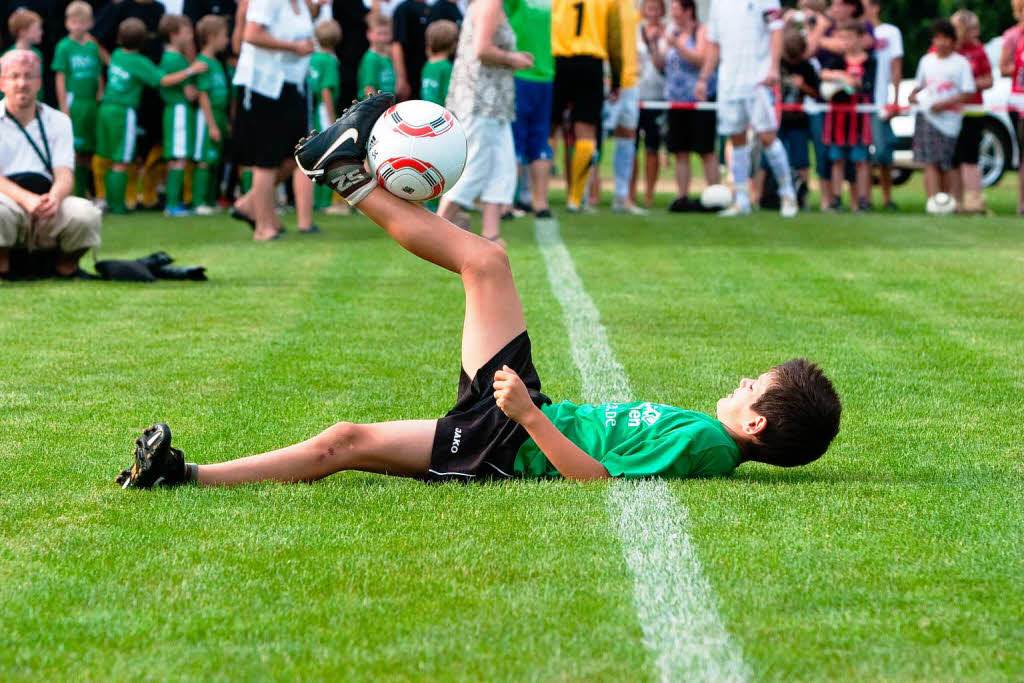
716, 197
940, 204
417, 150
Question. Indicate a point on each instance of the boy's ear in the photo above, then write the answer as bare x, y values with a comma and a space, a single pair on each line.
755, 425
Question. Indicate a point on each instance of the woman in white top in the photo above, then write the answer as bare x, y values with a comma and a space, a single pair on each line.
650, 86
272, 112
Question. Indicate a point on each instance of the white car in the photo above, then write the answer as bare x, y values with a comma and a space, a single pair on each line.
999, 149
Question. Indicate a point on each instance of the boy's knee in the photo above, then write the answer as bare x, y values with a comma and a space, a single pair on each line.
488, 260
340, 437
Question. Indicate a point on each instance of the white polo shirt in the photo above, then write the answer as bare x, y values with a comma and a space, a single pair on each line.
888, 46
266, 71
16, 153
743, 30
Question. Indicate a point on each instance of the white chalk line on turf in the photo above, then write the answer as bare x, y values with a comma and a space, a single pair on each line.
674, 602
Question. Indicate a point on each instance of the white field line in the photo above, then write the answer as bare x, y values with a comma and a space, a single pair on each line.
674, 602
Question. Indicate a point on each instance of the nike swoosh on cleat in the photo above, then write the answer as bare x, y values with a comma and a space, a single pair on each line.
351, 133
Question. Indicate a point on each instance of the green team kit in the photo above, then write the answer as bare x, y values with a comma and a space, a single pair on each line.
179, 114
80, 64
434, 81
127, 75
376, 72
637, 440
215, 84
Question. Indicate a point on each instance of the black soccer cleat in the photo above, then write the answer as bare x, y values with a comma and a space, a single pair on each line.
344, 140
156, 463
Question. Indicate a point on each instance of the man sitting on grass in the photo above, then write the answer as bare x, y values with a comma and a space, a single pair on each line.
502, 425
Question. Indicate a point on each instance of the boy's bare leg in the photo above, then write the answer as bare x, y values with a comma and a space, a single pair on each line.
494, 315
395, 448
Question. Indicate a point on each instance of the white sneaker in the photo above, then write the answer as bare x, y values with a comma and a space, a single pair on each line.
626, 207
204, 210
790, 208
735, 210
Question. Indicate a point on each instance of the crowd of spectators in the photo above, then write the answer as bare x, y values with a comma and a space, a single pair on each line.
204, 99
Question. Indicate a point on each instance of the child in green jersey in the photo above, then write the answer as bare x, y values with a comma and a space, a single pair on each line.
441, 37
26, 29
128, 73
212, 117
77, 68
325, 85
375, 69
179, 113
502, 426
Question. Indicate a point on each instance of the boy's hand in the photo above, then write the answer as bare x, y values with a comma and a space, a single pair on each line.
511, 395
214, 133
199, 67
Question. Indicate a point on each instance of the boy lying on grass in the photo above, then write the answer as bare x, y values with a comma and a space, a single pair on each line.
502, 426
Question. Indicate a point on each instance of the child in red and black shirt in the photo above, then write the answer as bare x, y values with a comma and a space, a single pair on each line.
847, 132
968, 30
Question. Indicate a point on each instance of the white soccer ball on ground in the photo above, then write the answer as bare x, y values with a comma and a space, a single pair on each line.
716, 197
940, 204
417, 150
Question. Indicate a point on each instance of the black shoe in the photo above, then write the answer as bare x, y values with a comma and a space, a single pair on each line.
156, 463
544, 213
344, 140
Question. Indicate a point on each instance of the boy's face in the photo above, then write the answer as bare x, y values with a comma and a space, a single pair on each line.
219, 40
653, 11
736, 411
380, 36
34, 33
849, 40
76, 26
943, 44
183, 38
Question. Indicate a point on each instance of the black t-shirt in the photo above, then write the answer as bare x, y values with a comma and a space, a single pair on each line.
110, 17
794, 95
410, 22
351, 16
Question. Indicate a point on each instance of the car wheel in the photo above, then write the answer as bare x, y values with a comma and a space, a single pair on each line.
994, 153
901, 175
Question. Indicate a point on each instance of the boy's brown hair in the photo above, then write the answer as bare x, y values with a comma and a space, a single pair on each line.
378, 21
802, 410
442, 36
78, 9
20, 20
794, 46
328, 33
854, 26
170, 24
131, 34
208, 27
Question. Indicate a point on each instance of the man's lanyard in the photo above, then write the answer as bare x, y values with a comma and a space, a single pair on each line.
47, 159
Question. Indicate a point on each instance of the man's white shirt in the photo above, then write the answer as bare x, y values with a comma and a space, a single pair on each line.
16, 153
743, 31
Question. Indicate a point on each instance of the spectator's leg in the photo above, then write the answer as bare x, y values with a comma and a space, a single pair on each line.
303, 189
863, 182
838, 173
76, 229
775, 152
683, 173
652, 157
623, 160
932, 179
741, 169
12, 218
712, 174
540, 177
582, 154
259, 203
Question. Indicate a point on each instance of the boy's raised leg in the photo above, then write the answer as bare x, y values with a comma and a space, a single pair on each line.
494, 315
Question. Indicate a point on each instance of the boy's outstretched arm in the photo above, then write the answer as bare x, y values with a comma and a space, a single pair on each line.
514, 400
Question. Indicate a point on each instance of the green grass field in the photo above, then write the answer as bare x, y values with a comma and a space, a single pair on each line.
898, 556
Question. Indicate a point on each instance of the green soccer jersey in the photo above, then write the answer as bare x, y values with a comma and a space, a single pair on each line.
214, 83
434, 81
526, 18
323, 75
635, 440
375, 71
173, 62
127, 74
80, 64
